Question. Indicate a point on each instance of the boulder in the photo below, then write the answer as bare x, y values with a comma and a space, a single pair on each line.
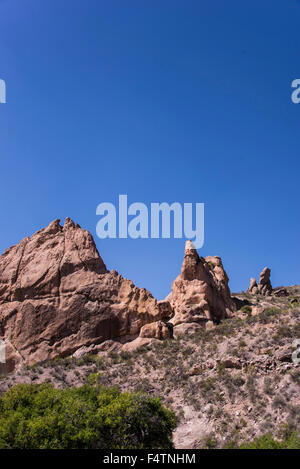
158, 330
280, 292
253, 288
139, 342
210, 325
186, 329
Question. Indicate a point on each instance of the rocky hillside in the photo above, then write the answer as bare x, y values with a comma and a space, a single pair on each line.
229, 384
222, 361
57, 298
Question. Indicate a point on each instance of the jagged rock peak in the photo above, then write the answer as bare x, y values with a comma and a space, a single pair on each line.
200, 293
264, 286
57, 298
53, 227
253, 288
189, 246
54, 260
70, 224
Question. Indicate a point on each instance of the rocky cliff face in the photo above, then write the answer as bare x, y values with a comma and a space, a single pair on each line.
57, 296
200, 294
52, 262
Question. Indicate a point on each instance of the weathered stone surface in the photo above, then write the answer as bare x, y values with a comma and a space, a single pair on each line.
264, 284
210, 325
280, 292
95, 349
253, 288
200, 293
256, 310
52, 262
56, 296
158, 330
186, 329
138, 343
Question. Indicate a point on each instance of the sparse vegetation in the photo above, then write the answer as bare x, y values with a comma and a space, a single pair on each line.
247, 310
268, 441
229, 382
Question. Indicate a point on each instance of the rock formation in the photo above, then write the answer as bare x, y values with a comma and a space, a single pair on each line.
200, 294
253, 288
280, 292
158, 330
264, 286
56, 296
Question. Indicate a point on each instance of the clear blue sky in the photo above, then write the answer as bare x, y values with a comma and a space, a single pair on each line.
186, 101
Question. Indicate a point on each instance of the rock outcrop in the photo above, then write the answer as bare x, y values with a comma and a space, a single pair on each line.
56, 296
200, 294
264, 286
253, 288
280, 292
157, 330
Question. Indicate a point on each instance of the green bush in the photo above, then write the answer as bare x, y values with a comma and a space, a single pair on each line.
247, 310
39, 416
292, 441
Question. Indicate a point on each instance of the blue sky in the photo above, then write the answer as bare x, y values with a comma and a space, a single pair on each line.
186, 101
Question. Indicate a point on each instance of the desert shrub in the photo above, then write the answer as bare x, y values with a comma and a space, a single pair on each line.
294, 300
242, 343
278, 402
93, 378
265, 317
238, 380
247, 310
295, 375
252, 387
39, 416
268, 388
268, 441
90, 359
283, 331
209, 442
